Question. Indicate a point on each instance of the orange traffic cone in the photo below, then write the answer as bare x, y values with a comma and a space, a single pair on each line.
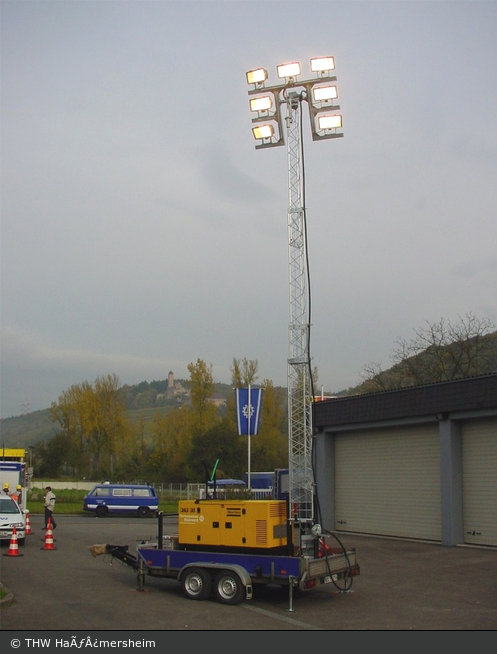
28, 524
48, 537
13, 547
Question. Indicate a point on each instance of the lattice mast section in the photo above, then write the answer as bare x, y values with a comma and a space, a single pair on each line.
299, 382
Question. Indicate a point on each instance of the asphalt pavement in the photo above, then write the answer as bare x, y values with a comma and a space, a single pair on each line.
403, 585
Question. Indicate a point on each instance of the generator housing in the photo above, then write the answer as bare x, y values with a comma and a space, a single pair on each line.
233, 524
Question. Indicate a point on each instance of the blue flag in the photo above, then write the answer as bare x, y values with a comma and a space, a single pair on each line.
246, 410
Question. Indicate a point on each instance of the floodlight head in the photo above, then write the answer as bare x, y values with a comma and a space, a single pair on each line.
330, 122
289, 70
262, 103
324, 93
256, 76
263, 131
322, 64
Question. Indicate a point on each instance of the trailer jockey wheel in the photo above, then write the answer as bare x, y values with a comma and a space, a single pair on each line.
228, 587
196, 583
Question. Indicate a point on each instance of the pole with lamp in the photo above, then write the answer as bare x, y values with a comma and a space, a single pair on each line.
278, 109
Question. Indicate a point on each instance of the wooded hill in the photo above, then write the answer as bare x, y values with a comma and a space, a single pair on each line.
439, 362
143, 400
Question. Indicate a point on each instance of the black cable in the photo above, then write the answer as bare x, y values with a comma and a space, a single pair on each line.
309, 359
308, 270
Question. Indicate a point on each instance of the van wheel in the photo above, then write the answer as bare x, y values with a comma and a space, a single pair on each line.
196, 583
228, 587
102, 511
143, 512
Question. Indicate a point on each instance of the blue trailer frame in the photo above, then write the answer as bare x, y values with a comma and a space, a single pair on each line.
264, 567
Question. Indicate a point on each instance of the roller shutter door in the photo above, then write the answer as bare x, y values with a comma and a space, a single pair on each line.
479, 456
387, 482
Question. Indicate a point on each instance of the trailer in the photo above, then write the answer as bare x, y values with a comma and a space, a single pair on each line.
218, 553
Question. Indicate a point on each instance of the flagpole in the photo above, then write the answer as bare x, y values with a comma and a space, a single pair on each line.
248, 437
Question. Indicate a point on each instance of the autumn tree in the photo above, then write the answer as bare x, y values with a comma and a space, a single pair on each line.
51, 457
111, 425
204, 413
244, 372
139, 447
172, 434
73, 414
158, 458
94, 421
220, 443
270, 447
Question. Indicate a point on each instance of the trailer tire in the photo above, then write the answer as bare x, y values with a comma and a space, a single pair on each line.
101, 511
196, 583
143, 512
228, 587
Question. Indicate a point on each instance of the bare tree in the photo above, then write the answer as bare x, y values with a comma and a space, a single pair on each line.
374, 378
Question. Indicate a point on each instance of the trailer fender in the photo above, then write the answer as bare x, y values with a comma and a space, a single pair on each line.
234, 567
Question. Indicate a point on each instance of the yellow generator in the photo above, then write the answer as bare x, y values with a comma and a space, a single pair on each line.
259, 524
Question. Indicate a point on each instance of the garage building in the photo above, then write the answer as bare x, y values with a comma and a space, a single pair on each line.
419, 462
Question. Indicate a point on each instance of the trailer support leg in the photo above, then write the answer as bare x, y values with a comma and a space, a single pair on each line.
290, 595
141, 577
160, 539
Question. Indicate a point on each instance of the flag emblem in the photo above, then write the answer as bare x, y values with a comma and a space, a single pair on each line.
248, 410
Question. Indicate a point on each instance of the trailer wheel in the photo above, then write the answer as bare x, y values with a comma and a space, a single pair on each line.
143, 512
228, 587
196, 583
101, 511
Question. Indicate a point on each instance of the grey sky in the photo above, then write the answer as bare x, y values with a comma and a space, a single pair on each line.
141, 230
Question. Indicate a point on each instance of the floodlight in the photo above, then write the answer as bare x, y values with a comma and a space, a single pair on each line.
263, 131
263, 103
256, 76
323, 93
321, 64
329, 122
289, 70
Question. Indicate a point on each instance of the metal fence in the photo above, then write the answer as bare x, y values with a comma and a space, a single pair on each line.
165, 491
173, 492
197, 491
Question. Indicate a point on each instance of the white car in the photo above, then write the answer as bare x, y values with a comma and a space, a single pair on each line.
11, 516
